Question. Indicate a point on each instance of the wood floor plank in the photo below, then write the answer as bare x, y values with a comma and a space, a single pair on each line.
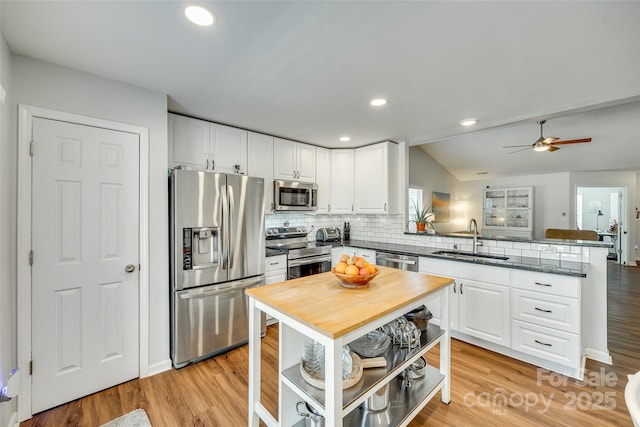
488, 389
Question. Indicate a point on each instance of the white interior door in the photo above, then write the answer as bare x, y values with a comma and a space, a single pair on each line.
85, 222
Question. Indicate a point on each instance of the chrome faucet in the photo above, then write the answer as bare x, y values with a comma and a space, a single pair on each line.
473, 223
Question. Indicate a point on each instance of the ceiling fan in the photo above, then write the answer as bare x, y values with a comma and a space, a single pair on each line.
546, 143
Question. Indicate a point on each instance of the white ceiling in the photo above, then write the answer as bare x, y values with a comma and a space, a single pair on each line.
306, 70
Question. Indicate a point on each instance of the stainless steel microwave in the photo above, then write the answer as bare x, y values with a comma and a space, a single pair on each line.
295, 196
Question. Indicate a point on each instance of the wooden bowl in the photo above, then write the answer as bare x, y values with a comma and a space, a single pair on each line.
355, 281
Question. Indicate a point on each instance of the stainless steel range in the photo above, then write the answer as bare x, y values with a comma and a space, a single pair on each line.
304, 258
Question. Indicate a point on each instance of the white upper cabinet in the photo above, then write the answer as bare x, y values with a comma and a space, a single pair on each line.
323, 179
203, 145
342, 181
260, 164
227, 149
294, 161
377, 180
188, 141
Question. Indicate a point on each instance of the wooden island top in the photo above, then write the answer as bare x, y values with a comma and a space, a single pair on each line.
323, 304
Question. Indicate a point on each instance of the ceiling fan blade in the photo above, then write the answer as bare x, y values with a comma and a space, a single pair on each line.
516, 146
552, 148
571, 141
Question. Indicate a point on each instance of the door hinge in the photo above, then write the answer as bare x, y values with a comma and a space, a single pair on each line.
30, 257
30, 367
31, 148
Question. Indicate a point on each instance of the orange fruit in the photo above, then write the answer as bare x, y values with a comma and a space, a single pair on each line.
371, 268
344, 257
360, 262
352, 270
363, 271
341, 267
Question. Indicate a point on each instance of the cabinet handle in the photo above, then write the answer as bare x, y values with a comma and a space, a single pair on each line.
544, 311
543, 343
213, 164
454, 288
385, 207
542, 284
207, 164
274, 263
461, 287
329, 208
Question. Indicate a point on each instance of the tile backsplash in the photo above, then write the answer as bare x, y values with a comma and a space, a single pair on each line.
391, 229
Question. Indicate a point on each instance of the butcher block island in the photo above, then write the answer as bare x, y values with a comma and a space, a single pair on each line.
318, 307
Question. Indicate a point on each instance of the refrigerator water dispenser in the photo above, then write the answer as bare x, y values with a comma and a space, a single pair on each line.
200, 248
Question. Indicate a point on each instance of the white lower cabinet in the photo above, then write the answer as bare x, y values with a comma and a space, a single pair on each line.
546, 343
525, 313
547, 318
483, 311
480, 308
275, 272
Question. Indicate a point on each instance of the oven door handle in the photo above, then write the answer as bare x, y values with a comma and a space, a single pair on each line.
309, 260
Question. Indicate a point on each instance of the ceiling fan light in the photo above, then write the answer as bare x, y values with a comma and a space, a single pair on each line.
540, 146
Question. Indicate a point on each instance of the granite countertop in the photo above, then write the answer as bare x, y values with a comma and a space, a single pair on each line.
567, 268
275, 252
586, 243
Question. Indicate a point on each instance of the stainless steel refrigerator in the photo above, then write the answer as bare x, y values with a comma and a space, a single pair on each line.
217, 251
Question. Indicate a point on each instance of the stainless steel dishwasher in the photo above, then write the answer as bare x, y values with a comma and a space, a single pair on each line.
402, 262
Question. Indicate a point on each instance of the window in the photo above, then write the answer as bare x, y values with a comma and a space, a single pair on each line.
415, 199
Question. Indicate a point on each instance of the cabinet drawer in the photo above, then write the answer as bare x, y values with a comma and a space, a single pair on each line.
546, 310
548, 283
550, 344
276, 262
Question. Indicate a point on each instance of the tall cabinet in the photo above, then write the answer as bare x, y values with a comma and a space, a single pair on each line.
508, 212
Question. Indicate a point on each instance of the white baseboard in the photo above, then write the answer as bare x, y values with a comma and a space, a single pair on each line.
159, 367
600, 356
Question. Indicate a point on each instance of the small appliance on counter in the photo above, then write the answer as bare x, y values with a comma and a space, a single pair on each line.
328, 234
346, 232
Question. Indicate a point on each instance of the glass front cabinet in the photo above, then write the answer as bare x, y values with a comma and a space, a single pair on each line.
508, 212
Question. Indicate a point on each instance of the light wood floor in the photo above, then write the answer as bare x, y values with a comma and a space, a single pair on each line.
487, 388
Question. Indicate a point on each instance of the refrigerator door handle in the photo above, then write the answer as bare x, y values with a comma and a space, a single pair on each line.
231, 225
224, 206
242, 284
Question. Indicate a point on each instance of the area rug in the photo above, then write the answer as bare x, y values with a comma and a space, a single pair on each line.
137, 418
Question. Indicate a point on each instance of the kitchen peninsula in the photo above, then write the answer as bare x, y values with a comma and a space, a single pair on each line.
502, 300
320, 308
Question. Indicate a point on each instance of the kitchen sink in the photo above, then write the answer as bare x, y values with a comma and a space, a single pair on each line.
470, 255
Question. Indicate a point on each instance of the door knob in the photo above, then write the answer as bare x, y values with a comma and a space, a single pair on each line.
130, 268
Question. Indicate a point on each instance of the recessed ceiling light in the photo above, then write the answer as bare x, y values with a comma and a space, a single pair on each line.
378, 102
345, 138
200, 15
468, 122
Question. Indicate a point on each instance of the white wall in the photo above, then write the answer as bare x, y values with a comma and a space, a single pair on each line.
49, 86
550, 192
426, 173
8, 352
